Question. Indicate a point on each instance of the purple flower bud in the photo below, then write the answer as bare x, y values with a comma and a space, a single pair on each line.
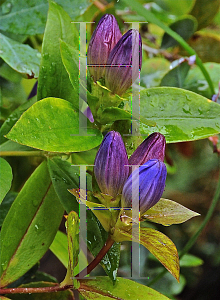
124, 70
111, 164
153, 147
103, 40
151, 178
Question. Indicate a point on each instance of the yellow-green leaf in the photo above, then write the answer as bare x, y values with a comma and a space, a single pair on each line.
168, 212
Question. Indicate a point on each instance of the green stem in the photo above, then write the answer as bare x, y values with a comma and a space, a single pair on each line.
193, 239
151, 18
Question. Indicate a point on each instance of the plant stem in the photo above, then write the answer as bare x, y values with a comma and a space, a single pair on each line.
193, 239
49, 289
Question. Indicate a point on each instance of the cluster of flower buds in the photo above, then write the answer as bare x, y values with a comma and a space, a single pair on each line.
114, 57
148, 170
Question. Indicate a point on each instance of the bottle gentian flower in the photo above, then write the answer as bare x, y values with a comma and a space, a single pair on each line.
111, 164
123, 69
153, 147
112, 170
151, 178
103, 40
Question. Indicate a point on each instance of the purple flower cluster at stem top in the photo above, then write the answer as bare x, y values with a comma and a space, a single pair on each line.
112, 169
114, 57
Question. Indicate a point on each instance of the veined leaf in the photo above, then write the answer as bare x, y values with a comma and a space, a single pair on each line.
101, 288
168, 212
179, 114
30, 226
53, 125
5, 178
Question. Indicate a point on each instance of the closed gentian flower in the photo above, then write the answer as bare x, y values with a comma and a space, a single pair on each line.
151, 178
153, 147
123, 69
111, 164
103, 40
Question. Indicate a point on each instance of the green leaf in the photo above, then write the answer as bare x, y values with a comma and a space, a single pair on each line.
185, 27
156, 242
6, 204
28, 229
20, 57
5, 178
53, 125
69, 55
189, 260
59, 247
167, 212
179, 114
124, 289
64, 176
29, 17
176, 76
53, 78
204, 11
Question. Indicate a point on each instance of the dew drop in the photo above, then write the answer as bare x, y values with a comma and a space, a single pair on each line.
186, 108
52, 69
46, 56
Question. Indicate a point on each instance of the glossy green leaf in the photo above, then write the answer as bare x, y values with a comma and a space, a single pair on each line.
189, 260
59, 247
20, 57
28, 229
168, 212
185, 27
63, 295
176, 76
204, 11
5, 178
124, 289
195, 82
53, 78
69, 55
64, 176
29, 17
53, 125
179, 114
